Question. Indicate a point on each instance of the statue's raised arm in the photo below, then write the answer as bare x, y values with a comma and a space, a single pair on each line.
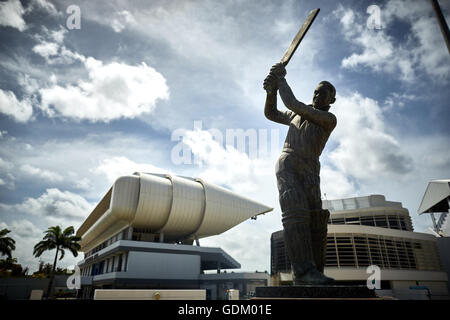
317, 113
270, 109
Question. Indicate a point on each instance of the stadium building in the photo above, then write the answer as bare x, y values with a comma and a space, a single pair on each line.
436, 203
142, 233
366, 231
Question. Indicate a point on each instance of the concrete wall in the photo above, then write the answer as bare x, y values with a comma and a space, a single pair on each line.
20, 288
152, 265
156, 294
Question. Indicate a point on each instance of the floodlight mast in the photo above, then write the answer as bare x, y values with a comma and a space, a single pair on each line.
442, 23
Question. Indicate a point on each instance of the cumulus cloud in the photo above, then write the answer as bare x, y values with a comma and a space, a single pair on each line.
226, 165
8, 182
41, 173
398, 100
32, 172
46, 49
11, 14
334, 184
29, 85
51, 47
5, 165
44, 5
24, 228
6, 178
56, 35
121, 19
54, 206
120, 166
423, 50
378, 50
19, 110
113, 91
365, 149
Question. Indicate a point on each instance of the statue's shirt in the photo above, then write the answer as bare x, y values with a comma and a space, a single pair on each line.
305, 141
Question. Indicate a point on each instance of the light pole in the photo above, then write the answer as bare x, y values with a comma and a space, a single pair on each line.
442, 23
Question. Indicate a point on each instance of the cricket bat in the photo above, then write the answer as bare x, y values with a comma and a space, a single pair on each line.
299, 37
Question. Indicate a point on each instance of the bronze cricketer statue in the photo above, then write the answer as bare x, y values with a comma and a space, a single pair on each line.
304, 220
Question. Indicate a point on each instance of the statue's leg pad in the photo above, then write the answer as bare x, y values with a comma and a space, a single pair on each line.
319, 226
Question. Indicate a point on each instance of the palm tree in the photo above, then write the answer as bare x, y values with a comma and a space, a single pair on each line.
7, 244
7, 264
57, 239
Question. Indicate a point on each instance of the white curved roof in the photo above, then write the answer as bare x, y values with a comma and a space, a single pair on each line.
437, 191
178, 207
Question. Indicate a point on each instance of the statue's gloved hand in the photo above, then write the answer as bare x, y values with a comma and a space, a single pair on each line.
278, 70
270, 83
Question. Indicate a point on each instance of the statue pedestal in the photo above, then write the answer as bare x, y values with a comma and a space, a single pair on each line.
315, 292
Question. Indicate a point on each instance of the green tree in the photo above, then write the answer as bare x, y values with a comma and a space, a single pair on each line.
60, 240
7, 244
6, 266
10, 267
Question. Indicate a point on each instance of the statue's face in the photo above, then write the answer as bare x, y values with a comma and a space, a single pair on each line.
322, 97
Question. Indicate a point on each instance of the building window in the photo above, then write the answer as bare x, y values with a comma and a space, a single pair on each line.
380, 221
119, 264
362, 251
354, 220
337, 221
331, 255
368, 221
125, 263
345, 251
393, 222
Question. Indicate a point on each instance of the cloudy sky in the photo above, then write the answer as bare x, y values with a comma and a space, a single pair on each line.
138, 80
